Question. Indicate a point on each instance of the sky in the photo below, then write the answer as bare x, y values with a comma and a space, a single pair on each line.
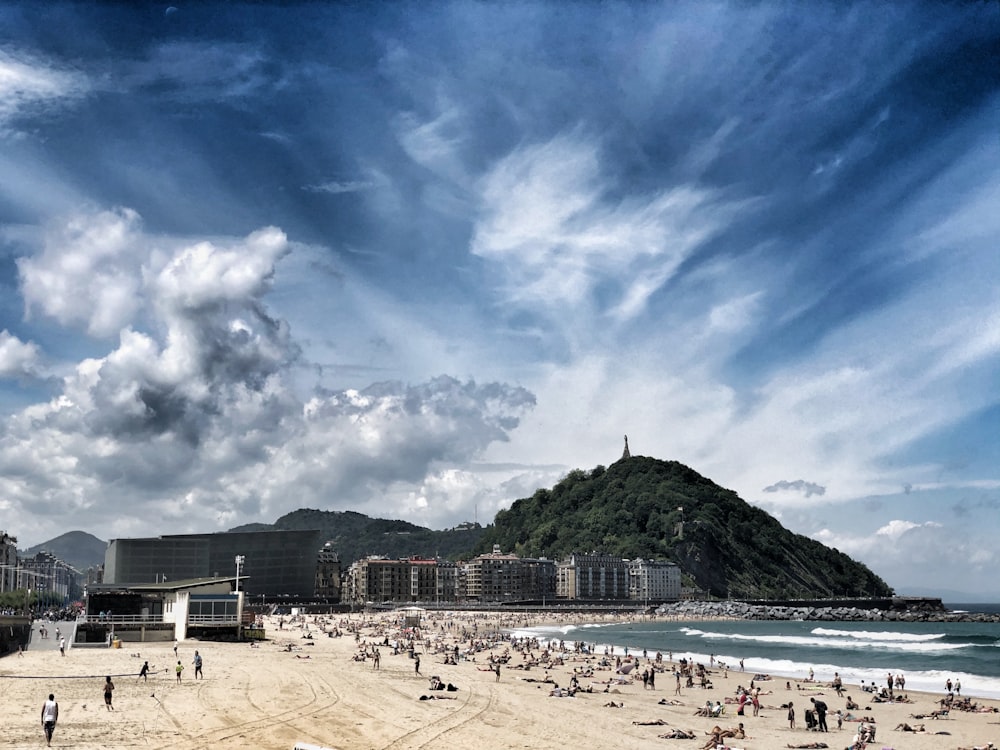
418, 260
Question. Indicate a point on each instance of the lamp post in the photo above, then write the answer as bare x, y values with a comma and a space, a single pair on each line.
240, 559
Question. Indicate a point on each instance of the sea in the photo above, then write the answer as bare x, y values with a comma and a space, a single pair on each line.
927, 654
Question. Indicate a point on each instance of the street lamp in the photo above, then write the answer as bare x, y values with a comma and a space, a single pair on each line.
240, 559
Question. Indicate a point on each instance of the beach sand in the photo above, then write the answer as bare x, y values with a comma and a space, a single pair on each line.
268, 697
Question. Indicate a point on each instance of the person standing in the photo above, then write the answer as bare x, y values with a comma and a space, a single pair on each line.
62, 646
820, 707
416, 663
197, 666
144, 671
50, 715
109, 688
791, 716
179, 668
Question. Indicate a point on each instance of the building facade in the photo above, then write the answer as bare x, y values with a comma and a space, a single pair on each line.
377, 580
274, 563
593, 577
47, 575
654, 581
328, 573
8, 562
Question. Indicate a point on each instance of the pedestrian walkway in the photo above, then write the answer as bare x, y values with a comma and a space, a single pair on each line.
67, 630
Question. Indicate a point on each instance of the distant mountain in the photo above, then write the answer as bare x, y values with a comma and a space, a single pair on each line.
645, 507
78, 548
355, 535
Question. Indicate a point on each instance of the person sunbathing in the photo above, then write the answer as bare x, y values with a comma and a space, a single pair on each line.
809, 744
677, 734
705, 710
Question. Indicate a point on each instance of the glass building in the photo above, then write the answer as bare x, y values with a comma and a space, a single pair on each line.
274, 562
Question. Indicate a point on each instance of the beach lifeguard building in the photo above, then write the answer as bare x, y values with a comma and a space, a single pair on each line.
164, 611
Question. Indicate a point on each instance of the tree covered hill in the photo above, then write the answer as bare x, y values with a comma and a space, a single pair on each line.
645, 507
355, 535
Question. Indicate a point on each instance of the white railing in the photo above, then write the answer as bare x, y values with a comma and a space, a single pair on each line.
151, 619
214, 619
120, 619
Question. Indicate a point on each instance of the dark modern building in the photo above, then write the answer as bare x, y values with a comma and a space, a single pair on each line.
272, 563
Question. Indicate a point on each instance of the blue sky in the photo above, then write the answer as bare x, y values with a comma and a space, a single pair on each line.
418, 260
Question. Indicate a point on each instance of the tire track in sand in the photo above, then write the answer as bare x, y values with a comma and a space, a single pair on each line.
430, 734
263, 722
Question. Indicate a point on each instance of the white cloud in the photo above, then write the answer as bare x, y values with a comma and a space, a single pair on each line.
734, 315
17, 358
87, 272
194, 419
28, 85
554, 232
920, 553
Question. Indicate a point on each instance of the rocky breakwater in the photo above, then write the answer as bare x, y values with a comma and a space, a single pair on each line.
736, 610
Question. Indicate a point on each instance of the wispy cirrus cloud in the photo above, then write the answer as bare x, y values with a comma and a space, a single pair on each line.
29, 84
336, 187
550, 224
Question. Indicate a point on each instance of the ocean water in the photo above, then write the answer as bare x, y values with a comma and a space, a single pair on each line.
927, 654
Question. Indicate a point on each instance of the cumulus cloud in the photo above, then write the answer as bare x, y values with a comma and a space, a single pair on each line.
799, 485
17, 358
194, 417
923, 553
87, 272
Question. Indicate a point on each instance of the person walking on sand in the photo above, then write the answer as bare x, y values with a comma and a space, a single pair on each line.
62, 646
416, 663
179, 668
197, 666
821, 709
50, 715
791, 716
144, 671
109, 688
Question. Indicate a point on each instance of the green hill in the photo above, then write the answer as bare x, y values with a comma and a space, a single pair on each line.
645, 507
78, 548
355, 535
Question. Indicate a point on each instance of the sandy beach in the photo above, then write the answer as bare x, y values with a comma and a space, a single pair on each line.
294, 688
